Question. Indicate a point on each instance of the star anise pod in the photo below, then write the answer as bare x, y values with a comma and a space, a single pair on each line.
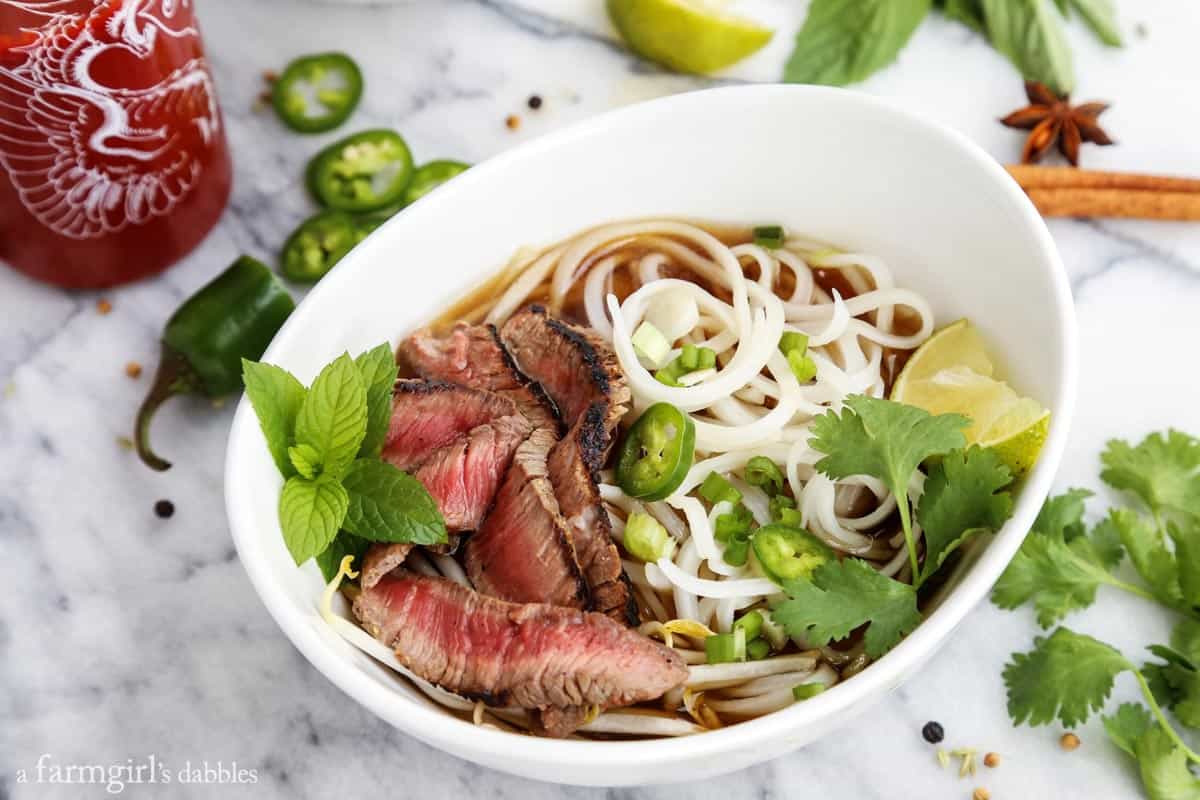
1052, 119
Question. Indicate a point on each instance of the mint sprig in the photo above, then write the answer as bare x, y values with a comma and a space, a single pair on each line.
326, 441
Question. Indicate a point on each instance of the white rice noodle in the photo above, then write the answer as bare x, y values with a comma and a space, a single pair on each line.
594, 290
634, 723
450, 568
714, 676
683, 576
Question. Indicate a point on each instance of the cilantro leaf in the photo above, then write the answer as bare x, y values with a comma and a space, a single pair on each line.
344, 544
1164, 768
333, 416
1107, 543
844, 595
1186, 537
1175, 684
276, 396
885, 440
1163, 472
1066, 676
378, 369
1127, 725
1062, 515
387, 505
1186, 639
1058, 577
845, 41
1148, 551
962, 497
310, 513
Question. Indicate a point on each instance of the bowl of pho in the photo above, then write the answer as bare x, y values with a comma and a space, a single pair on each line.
662, 445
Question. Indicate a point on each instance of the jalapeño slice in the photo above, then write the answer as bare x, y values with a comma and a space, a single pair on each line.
364, 172
430, 176
317, 93
657, 453
786, 553
319, 243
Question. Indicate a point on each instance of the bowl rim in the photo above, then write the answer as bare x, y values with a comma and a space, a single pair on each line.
441, 729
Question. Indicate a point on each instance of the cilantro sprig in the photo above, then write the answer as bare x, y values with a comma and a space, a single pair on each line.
338, 496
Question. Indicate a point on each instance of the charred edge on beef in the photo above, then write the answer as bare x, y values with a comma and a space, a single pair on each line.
633, 614
593, 438
591, 359
535, 388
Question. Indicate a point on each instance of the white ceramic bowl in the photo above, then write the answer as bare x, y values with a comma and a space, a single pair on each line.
836, 165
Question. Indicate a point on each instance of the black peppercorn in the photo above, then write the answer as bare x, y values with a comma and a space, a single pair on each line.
164, 508
535, 102
933, 732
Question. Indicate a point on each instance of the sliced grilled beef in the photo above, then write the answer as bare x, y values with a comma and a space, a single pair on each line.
518, 655
473, 356
428, 415
559, 722
572, 467
380, 560
523, 551
575, 366
464, 476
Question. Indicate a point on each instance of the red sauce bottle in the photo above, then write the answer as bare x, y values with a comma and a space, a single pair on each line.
113, 160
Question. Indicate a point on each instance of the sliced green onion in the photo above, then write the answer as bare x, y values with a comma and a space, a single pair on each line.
690, 357
803, 367
779, 504
646, 539
734, 523
773, 632
769, 236
708, 358
737, 551
758, 649
792, 517
716, 489
765, 474
792, 341
725, 648
807, 691
650, 344
751, 622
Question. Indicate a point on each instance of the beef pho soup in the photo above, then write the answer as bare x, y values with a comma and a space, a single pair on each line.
618, 431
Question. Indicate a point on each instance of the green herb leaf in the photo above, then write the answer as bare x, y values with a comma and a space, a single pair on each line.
1058, 577
1186, 537
1163, 472
1062, 515
962, 497
333, 417
968, 12
378, 369
1164, 768
310, 513
844, 595
1030, 34
1186, 639
1101, 17
1148, 551
1127, 725
845, 41
306, 460
387, 505
1066, 676
344, 544
885, 440
276, 396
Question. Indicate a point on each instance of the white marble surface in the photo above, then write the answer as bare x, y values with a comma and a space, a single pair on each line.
123, 635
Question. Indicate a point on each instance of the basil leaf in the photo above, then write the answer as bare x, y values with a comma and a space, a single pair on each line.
1101, 17
333, 417
344, 544
276, 396
1030, 34
387, 505
845, 41
378, 369
310, 513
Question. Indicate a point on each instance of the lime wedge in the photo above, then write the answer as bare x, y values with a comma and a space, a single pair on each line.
686, 35
951, 373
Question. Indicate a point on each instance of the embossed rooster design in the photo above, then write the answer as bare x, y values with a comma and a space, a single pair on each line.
88, 158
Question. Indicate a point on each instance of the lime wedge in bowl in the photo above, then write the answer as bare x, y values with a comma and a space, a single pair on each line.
951, 373
686, 35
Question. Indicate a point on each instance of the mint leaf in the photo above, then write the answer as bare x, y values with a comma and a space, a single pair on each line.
845, 41
276, 396
387, 505
962, 498
306, 460
1148, 551
968, 12
333, 417
344, 544
1062, 515
1101, 17
1163, 472
378, 369
1127, 725
1066, 676
1030, 34
844, 595
1164, 768
310, 513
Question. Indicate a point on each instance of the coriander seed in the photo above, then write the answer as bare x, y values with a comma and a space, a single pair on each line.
133, 369
981, 794
991, 760
1069, 741
103, 306
512, 121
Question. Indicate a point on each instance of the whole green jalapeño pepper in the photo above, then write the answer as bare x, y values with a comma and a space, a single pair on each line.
317, 93
233, 317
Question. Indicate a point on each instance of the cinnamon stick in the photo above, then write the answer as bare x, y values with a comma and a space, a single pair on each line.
1125, 203
1035, 177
